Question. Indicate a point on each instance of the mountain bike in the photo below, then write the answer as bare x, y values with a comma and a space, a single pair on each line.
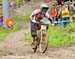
42, 38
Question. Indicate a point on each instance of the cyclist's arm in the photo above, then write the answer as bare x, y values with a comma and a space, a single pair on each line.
49, 17
32, 18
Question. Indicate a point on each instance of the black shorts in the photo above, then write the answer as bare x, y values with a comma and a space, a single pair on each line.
33, 29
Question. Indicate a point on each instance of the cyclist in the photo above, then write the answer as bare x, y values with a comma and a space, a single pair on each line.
35, 17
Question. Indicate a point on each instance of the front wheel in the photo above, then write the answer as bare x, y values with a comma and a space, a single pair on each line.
36, 43
43, 41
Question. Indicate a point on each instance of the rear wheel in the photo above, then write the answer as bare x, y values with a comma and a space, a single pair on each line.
43, 41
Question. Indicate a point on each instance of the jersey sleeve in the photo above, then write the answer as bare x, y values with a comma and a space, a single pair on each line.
48, 16
35, 12
32, 16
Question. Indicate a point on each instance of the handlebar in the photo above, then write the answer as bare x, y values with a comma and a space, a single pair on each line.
42, 23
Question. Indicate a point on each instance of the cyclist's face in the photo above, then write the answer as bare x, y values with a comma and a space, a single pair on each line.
44, 11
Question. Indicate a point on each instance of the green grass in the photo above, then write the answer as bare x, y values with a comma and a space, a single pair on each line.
59, 36
19, 3
5, 32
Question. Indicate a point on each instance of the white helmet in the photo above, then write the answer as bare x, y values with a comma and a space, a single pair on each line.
44, 7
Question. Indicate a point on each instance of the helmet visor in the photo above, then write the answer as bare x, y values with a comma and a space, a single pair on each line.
44, 9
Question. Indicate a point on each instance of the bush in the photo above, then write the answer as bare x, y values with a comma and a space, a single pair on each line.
19, 3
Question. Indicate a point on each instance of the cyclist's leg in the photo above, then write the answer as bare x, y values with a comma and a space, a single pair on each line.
33, 32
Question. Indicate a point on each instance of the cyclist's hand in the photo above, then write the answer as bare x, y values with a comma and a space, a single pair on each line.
49, 23
34, 21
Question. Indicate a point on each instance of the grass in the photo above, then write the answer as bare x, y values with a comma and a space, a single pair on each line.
59, 36
5, 32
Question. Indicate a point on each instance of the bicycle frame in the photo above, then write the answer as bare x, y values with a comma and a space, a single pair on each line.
42, 37
42, 34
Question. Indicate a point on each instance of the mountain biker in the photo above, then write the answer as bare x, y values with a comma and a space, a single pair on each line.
36, 16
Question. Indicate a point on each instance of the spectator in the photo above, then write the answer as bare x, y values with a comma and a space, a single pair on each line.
67, 4
60, 2
65, 15
72, 10
58, 11
27, 1
13, 5
53, 13
59, 15
1, 6
1, 19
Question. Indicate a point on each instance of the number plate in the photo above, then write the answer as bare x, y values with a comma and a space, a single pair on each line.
43, 27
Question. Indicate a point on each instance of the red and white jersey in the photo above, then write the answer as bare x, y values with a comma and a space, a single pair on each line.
37, 15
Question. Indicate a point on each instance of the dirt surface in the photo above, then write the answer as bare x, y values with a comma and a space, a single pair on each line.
16, 47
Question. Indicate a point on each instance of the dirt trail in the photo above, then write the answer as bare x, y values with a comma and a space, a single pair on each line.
16, 47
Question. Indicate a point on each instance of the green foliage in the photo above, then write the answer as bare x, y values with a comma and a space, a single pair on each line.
19, 2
